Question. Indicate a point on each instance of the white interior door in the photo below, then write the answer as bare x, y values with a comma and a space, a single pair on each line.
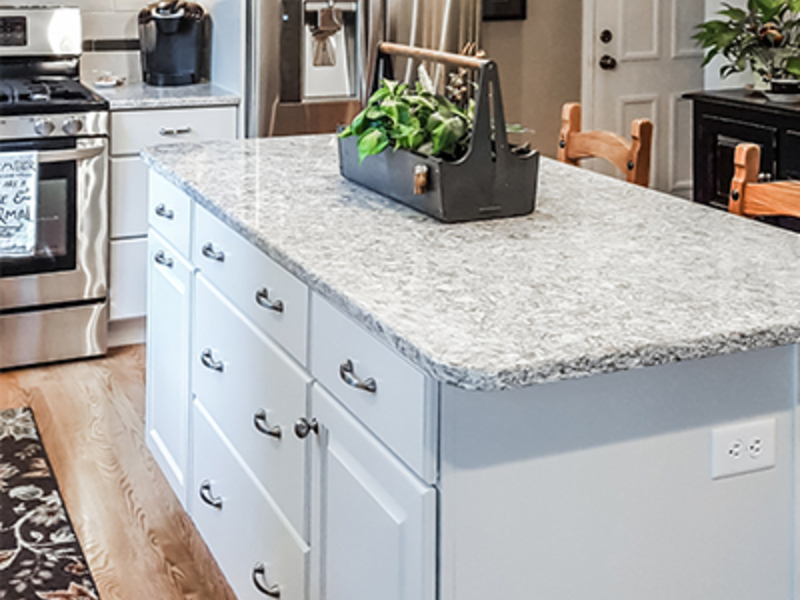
639, 58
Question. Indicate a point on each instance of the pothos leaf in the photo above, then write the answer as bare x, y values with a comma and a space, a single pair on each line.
370, 143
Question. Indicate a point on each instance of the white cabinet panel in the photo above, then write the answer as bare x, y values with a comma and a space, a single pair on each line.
269, 295
133, 130
255, 392
401, 409
374, 522
169, 304
240, 522
128, 197
170, 212
128, 289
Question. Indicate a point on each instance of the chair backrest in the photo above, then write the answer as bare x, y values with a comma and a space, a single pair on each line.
633, 158
753, 199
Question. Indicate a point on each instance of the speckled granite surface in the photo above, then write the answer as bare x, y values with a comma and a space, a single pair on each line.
603, 277
135, 96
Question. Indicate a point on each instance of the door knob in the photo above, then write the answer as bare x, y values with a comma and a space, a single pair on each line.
608, 63
606, 36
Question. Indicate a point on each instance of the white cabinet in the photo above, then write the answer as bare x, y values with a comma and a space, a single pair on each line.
255, 547
373, 521
169, 306
131, 131
255, 392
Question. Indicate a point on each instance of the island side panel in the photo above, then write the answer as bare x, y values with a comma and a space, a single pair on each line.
602, 487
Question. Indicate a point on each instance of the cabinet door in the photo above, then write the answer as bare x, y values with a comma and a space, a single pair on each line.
169, 305
373, 520
718, 137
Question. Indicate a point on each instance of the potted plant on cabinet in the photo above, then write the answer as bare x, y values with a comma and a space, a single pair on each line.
765, 37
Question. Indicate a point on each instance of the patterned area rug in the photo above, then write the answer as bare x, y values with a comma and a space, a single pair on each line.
40, 558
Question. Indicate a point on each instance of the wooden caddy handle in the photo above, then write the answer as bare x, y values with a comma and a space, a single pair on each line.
458, 60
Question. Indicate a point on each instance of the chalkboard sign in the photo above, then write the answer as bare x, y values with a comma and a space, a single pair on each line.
19, 175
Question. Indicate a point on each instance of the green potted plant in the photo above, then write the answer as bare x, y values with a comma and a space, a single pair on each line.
764, 37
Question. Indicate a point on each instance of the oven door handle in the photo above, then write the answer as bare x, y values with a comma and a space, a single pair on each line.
77, 154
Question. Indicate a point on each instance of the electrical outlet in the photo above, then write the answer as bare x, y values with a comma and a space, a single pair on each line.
743, 448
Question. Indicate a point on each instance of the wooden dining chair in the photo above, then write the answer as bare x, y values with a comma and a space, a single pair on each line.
633, 158
750, 198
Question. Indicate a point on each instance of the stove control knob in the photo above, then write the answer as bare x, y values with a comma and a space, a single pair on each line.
44, 127
72, 126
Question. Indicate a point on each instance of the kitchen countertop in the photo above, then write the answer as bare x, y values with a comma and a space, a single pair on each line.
604, 276
135, 96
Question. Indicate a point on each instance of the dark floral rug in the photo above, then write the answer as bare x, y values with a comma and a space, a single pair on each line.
40, 558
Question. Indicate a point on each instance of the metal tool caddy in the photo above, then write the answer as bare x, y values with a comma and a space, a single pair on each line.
493, 180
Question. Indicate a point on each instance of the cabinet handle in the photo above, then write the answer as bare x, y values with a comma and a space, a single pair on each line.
163, 259
303, 427
262, 299
165, 131
348, 375
207, 358
208, 497
163, 211
764, 177
260, 423
260, 571
209, 252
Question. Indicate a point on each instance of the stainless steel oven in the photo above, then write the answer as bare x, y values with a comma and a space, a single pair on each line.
53, 295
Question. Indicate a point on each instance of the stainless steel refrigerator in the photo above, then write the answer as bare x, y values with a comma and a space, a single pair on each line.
309, 62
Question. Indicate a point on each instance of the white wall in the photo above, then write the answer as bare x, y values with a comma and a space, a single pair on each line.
712, 79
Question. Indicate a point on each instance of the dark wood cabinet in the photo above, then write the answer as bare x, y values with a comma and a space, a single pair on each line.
724, 119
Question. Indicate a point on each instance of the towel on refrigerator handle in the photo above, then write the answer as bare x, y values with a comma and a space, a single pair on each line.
19, 183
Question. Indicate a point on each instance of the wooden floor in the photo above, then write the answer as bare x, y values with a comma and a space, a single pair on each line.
139, 542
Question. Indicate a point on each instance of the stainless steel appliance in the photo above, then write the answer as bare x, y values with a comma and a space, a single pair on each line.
174, 42
307, 59
53, 297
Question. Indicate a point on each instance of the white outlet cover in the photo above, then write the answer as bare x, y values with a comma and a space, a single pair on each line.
730, 446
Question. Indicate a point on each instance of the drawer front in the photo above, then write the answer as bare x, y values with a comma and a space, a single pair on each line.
128, 289
128, 197
387, 393
266, 293
255, 393
133, 130
244, 530
170, 212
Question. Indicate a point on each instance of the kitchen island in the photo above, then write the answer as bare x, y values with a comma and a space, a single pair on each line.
526, 408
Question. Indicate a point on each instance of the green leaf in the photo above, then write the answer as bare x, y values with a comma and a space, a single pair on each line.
793, 66
371, 143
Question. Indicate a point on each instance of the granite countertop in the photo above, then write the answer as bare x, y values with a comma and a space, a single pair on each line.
604, 276
135, 96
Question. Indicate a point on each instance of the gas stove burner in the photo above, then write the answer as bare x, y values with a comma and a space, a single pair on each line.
27, 96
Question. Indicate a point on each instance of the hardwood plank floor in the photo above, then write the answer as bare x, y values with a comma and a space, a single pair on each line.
139, 542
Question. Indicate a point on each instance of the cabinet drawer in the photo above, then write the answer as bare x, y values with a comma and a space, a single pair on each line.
128, 289
271, 297
128, 197
255, 393
244, 529
401, 407
170, 212
133, 130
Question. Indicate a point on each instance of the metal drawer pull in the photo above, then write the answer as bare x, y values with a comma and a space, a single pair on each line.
260, 571
207, 497
163, 259
174, 130
163, 211
303, 427
209, 252
207, 358
260, 423
348, 375
262, 298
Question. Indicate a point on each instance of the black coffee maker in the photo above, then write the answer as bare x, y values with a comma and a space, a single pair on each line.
174, 43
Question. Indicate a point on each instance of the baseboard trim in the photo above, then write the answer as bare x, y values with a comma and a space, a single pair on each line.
127, 332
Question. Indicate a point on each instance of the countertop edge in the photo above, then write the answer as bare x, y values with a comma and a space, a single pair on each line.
480, 381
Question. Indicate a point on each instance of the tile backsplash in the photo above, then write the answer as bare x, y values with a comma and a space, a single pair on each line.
103, 20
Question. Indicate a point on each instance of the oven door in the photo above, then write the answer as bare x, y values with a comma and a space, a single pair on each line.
70, 260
